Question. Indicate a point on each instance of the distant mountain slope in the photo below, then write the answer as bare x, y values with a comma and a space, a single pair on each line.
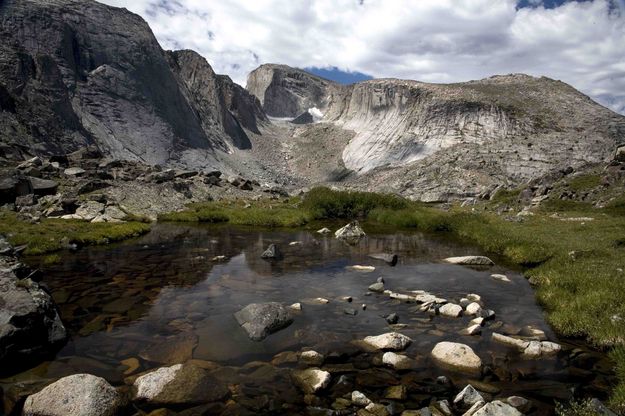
434, 141
76, 72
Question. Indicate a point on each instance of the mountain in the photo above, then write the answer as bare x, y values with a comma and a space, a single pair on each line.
441, 141
77, 72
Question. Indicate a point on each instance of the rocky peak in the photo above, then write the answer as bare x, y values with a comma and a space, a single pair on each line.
288, 92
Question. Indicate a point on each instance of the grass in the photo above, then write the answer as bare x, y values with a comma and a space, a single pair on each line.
52, 235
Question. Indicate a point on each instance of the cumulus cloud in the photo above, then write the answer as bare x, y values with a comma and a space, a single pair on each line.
580, 43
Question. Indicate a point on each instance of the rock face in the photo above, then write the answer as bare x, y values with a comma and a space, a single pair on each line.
477, 135
261, 319
80, 72
78, 394
181, 384
30, 325
456, 356
288, 92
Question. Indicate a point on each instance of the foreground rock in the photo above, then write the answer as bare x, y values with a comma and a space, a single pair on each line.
530, 349
470, 261
76, 395
312, 380
261, 319
352, 232
180, 384
457, 357
389, 341
497, 408
30, 326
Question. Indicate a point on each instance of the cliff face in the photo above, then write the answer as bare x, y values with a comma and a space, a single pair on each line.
79, 72
287, 92
439, 141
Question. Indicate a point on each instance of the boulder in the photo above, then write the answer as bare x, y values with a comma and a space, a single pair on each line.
377, 287
352, 232
457, 357
397, 361
470, 261
324, 230
450, 309
359, 399
389, 341
180, 384
74, 172
30, 325
76, 395
468, 397
497, 408
500, 277
90, 210
619, 154
473, 308
42, 187
312, 380
261, 319
311, 357
272, 253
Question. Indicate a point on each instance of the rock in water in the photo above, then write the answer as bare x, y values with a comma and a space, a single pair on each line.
468, 397
312, 380
30, 325
497, 408
76, 395
272, 253
391, 259
457, 357
470, 260
261, 319
450, 309
389, 341
180, 384
397, 361
352, 232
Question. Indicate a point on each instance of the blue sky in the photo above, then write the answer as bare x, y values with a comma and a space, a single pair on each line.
578, 42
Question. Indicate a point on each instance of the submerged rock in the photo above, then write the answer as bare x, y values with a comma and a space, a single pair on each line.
456, 356
180, 384
389, 341
397, 361
76, 395
312, 380
261, 319
470, 260
272, 253
359, 399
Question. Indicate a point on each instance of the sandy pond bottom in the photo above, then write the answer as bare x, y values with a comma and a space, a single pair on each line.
162, 300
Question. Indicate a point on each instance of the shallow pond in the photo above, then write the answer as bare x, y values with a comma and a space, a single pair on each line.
163, 299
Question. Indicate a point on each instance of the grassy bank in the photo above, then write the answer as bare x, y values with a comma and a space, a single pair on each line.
577, 265
51, 235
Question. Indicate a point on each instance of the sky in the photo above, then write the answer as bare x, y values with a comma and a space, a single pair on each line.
579, 42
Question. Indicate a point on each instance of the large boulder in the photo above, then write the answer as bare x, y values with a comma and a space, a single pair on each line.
42, 187
457, 357
261, 319
30, 326
351, 233
389, 341
76, 395
180, 384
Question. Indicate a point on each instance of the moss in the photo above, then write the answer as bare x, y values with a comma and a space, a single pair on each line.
51, 235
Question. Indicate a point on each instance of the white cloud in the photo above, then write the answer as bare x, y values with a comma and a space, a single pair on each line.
581, 43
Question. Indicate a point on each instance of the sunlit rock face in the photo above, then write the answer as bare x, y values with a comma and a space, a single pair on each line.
440, 141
